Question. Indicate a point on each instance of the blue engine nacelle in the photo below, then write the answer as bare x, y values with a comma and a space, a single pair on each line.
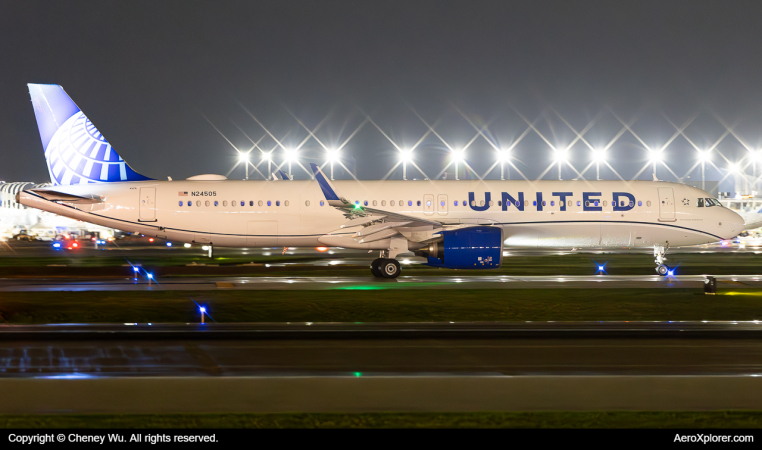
468, 248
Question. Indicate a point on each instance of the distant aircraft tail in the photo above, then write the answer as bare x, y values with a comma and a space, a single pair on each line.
76, 152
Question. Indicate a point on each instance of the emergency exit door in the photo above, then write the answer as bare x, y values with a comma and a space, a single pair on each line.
666, 205
147, 204
428, 204
442, 204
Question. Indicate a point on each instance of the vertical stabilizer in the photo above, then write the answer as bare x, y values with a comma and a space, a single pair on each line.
75, 151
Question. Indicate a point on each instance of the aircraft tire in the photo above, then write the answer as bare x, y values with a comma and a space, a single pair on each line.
375, 268
390, 268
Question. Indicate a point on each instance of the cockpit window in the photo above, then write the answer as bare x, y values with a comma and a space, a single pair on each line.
712, 202
700, 203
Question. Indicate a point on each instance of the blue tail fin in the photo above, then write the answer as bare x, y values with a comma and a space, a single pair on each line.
76, 152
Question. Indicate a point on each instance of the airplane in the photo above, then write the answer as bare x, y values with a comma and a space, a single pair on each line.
453, 224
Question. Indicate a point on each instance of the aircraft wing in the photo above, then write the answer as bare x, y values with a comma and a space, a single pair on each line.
356, 210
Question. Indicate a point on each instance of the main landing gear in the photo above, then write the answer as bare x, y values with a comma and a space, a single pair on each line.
385, 268
660, 255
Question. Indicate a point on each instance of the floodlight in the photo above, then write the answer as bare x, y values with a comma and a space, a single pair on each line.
560, 155
406, 156
733, 167
202, 309
291, 155
504, 155
705, 156
599, 156
458, 156
243, 157
757, 156
266, 156
655, 156
333, 155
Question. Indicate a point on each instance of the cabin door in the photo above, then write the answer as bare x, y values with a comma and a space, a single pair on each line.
666, 205
147, 204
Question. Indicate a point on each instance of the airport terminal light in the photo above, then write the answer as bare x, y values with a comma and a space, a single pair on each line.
655, 157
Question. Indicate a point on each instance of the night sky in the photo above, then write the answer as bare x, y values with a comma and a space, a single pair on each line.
156, 76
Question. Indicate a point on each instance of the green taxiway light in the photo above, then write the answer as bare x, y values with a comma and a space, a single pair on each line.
358, 374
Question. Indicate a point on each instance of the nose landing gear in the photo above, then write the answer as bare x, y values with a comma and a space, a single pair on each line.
660, 255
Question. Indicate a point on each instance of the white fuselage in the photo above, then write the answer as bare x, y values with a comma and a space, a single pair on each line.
289, 213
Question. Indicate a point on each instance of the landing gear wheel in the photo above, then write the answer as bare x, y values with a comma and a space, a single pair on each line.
662, 270
390, 268
375, 268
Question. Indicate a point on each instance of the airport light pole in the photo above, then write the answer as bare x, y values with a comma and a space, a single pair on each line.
268, 157
457, 157
655, 159
244, 158
704, 157
405, 157
333, 156
599, 156
504, 156
560, 159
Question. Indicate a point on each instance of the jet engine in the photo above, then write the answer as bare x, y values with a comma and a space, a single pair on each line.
467, 248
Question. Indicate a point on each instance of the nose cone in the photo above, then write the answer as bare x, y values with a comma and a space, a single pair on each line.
735, 223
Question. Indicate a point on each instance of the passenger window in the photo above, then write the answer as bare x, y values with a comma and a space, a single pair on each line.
428, 202
578, 203
526, 202
365, 203
632, 204
402, 203
251, 202
269, 203
552, 203
604, 203
374, 203
534, 202
383, 202
322, 202
507, 203
260, 203
456, 203
481, 203
190, 204
232, 203
409, 203
307, 203
499, 203
543, 203
491, 203
181, 203
569, 203
224, 203
243, 203
206, 203
391, 203
277, 202
286, 203
648, 203
216, 203
442, 203
198, 202
587, 204
640, 203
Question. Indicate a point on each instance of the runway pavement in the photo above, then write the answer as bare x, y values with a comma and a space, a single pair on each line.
369, 282
383, 349
143, 368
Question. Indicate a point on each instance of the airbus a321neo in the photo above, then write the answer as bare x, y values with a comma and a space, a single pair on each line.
454, 224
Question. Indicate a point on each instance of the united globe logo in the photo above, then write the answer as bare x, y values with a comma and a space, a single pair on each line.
78, 154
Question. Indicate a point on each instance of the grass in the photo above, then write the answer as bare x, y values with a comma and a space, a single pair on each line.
382, 305
684, 420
